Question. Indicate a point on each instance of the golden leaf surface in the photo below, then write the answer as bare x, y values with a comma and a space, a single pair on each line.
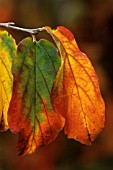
7, 53
75, 94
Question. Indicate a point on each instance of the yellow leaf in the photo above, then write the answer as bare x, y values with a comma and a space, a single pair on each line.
7, 53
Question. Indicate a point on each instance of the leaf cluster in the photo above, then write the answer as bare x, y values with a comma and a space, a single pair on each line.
45, 88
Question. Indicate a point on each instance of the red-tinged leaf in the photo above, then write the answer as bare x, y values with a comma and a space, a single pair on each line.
30, 112
75, 93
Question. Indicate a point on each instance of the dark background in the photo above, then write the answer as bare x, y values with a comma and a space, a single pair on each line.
91, 22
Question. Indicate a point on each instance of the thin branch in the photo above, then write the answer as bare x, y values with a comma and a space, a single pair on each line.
30, 31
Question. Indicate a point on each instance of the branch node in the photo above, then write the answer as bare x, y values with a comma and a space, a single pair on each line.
11, 23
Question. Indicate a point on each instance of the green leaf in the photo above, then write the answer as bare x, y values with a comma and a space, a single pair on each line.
30, 112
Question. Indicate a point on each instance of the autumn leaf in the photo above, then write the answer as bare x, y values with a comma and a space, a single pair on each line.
7, 53
75, 93
30, 112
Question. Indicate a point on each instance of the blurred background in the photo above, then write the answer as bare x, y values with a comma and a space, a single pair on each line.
91, 22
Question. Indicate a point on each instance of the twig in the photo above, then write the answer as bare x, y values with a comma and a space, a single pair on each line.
30, 31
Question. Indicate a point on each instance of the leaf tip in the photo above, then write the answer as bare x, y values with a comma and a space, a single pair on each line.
66, 33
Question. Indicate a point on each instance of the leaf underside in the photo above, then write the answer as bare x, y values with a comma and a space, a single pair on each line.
31, 113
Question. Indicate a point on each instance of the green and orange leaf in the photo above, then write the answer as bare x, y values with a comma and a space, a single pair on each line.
7, 53
31, 113
75, 94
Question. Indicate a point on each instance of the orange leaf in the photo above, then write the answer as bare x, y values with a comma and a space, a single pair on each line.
75, 94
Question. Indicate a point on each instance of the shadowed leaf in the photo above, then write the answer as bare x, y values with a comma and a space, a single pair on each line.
30, 112
7, 53
75, 93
